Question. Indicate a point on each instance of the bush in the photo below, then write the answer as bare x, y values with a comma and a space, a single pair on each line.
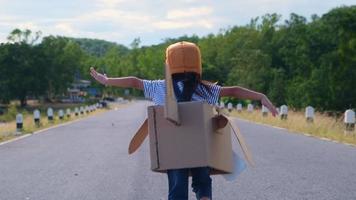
10, 114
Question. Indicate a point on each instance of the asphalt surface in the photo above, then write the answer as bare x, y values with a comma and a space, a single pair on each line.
88, 160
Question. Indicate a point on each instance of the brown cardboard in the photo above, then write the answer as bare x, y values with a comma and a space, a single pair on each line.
139, 137
242, 142
171, 106
192, 144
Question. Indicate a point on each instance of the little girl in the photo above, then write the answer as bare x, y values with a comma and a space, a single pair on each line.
183, 62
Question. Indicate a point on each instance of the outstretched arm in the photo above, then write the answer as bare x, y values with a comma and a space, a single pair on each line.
243, 93
132, 82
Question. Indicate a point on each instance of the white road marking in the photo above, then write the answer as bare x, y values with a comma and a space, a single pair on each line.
14, 139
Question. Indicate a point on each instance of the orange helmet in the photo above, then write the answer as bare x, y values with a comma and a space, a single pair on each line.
183, 57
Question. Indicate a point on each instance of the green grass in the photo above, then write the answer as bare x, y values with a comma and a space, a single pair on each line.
8, 129
322, 127
11, 113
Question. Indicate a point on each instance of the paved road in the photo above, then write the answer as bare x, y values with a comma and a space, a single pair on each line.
87, 160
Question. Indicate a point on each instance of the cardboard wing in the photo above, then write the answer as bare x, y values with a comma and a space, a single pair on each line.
221, 119
241, 141
139, 137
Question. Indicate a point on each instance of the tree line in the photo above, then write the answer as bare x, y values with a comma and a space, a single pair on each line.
298, 62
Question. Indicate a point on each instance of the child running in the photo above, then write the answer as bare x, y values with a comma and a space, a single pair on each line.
183, 61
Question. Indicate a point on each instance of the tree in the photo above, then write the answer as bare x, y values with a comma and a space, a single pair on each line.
25, 36
62, 58
18, 66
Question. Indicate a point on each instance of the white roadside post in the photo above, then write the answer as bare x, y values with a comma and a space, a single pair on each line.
264, 111
239, 107
76, 111
120, 100
61, 114
50, 114
81, 110
229, 107
127, 99
250, 108
222, 105
284, 112
349, 120
87, 109
19, 123
309, 114
37, 117
127, 92
68, 113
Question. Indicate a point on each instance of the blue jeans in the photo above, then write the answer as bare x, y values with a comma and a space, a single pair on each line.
178, 183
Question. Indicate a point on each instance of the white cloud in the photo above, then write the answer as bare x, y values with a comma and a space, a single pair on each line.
117, 20
189, 12
29, 25
118, 16
190, 1
167, 24
65, 28
109, 3
171, 24
123, 20
120, 19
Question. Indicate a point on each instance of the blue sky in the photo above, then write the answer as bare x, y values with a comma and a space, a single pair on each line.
123, 20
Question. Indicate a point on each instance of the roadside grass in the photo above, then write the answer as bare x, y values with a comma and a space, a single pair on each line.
322, 127
8, 129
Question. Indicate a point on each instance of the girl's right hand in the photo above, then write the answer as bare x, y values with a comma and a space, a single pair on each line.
266, 102
101, 78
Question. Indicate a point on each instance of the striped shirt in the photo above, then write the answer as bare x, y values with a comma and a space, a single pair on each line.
155, 90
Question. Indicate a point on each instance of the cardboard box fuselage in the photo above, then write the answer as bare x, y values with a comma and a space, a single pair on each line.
194, 143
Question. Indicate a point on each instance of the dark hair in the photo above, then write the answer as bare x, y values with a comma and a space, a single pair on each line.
190, 81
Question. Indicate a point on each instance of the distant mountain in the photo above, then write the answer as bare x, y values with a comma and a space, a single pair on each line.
98, 47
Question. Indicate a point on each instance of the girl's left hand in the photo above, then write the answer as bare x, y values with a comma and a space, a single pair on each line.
266, 102
101, 78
